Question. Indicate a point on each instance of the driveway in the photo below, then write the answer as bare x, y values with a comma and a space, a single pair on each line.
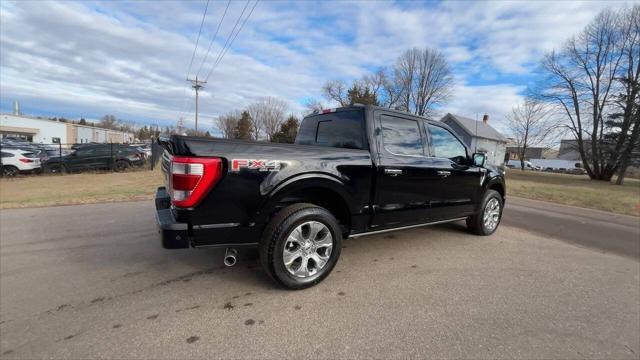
91, 281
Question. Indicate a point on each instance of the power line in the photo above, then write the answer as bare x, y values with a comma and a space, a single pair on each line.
213, 38
232, 40
204, 15
232, 37
184, 93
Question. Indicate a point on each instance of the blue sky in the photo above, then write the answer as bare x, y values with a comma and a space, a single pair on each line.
130, 59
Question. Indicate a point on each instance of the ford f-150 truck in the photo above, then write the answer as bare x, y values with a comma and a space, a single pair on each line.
353, 171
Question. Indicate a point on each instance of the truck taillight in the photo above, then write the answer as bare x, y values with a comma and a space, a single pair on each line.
192, 178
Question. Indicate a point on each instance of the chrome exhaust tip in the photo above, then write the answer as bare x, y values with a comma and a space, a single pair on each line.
230, 257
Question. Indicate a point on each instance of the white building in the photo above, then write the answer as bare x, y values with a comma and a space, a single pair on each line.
479, 136
45, 131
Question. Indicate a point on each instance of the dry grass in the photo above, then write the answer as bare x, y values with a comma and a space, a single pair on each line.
576, 190
34, 191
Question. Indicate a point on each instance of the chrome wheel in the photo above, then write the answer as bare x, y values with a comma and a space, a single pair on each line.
491, 216
307, 249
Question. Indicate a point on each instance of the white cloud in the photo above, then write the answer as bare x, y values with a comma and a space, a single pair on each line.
130, 58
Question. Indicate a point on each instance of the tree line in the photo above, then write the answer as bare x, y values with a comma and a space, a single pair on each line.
264, 119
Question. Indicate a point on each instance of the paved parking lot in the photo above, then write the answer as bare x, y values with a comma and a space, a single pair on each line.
92, 281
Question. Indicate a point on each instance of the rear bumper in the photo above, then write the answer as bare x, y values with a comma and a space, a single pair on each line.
173, 234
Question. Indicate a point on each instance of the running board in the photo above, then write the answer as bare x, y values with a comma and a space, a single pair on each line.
406, 227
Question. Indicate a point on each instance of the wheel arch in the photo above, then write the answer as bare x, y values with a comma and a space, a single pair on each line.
497, 186
318, 189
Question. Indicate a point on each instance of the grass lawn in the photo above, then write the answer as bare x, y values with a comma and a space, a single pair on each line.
33, 191
575, 190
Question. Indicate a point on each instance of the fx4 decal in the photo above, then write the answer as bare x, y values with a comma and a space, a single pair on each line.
254, 164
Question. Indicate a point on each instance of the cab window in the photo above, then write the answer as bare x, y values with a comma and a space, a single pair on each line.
401, 136
446, 145
339, 129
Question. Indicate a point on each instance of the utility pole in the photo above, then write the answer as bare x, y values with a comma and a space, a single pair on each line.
197, 85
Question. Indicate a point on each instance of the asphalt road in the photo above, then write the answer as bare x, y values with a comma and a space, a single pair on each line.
91, 281
607, 232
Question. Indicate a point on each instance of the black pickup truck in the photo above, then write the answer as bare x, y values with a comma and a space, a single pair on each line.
353, 171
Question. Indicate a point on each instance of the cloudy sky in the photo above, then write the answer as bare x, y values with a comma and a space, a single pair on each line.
131, 59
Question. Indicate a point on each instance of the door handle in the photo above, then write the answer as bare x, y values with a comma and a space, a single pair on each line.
393, 172
444, 173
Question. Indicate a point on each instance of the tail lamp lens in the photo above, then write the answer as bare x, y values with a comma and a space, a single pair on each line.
26, 161
192, 179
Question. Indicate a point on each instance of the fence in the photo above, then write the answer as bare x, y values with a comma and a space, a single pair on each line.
60, 158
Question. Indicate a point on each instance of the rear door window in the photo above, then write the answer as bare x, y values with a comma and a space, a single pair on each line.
401, 136
30, 154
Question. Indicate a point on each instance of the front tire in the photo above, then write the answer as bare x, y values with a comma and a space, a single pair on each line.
300, 246
487, 220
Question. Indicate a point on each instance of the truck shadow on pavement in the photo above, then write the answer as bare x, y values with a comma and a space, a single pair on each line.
372, 249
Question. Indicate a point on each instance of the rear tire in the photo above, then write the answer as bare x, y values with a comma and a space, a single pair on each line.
10, 171
121, 166
488, 219
56, 169
300, 246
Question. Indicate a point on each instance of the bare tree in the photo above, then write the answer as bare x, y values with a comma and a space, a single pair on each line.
582, 80
336, 90
392, 91
627, 138
313, 105
266, 116
374, 82
227, 124
109, 122
425, 80
384, 87
530, 125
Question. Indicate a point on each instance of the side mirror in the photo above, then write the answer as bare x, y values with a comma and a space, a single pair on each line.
479, 159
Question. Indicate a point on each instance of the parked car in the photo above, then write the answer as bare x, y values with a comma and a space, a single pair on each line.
144, 148
560, 165
96, 157
15, 161
515, 164
58, 152
352, 172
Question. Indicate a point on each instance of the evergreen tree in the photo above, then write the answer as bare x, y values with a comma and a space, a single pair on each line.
287, 132
243, 128
361, 95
